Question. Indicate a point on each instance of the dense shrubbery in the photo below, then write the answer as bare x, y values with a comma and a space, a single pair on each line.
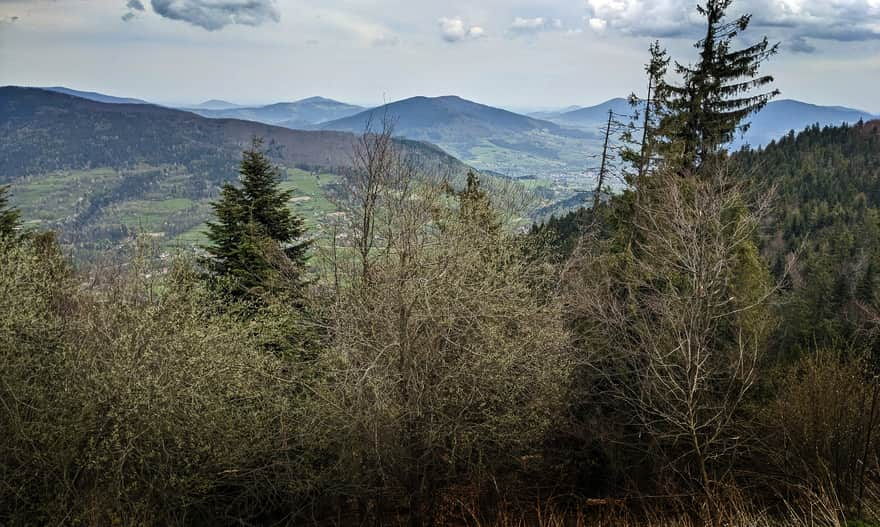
657, 360
122, 405
461, 379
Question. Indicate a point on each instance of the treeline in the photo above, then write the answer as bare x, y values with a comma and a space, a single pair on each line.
826, 227
634, 364
820, 241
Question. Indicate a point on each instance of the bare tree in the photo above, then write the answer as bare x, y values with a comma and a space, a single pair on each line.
373, 155
675, 328
445, 363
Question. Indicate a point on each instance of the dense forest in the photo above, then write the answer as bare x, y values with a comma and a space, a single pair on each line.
699, 349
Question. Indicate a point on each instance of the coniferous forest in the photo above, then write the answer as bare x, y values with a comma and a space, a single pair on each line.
700, 348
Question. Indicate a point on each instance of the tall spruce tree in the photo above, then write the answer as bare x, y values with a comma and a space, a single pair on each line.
10, 217
717, 94
256, 240
648, 111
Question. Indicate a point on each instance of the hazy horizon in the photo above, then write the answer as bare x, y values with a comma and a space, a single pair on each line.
516, 54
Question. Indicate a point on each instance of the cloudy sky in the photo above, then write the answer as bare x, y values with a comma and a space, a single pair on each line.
514, 53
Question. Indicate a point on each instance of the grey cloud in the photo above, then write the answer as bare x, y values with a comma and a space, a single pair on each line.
135, 4
386, 40
127, 16
800, 45
217, 14
793, 21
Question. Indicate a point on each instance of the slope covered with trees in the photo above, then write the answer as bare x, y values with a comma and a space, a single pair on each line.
653, 365
97, 171
826, 227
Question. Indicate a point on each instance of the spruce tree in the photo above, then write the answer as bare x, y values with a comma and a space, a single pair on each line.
648, 111
9, 216
255, 239
717, 94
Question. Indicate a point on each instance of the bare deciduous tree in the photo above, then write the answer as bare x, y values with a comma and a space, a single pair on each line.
675, 328
445, 363
373, 156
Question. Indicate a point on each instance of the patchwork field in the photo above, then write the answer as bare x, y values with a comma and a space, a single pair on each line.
92, 208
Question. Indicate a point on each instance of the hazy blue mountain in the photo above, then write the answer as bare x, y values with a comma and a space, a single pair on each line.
298, 114
773, 122
594, 116
215, 104
780, 117
550, 114
94, 96
486, 137
44, 131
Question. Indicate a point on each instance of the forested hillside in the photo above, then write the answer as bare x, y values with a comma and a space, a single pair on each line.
44, 131
699, 349
97, 172
827, 222
822, 239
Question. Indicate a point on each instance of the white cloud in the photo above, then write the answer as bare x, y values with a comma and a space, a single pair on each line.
598, 24
351, 25
455, 30
524, 26
642, 17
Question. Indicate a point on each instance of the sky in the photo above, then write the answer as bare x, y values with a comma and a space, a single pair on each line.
518, 54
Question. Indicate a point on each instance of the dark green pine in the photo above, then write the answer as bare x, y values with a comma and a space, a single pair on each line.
252, 225
475, 207
717, 94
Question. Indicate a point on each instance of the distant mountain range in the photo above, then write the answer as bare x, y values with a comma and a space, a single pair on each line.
299, 114
94, 96
777, 119
86, 167
491, 138
486, 137
589, 116
70, 153
216, 104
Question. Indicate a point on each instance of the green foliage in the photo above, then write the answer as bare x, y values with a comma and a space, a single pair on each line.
715, 97
124, 406
825, 234
256, 242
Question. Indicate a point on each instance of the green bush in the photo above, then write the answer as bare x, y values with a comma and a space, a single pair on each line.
122, 406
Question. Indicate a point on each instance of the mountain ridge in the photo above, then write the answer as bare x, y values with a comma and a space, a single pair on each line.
776, 120
97, 172
94, 96
300, 114
484, 136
